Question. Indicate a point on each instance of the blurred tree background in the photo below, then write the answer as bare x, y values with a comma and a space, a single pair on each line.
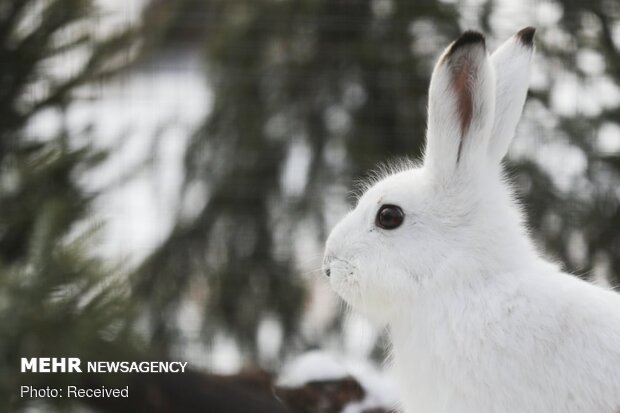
308, 96
56, 297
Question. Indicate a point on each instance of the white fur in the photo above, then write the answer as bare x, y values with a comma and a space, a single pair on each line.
479, 321
512, 62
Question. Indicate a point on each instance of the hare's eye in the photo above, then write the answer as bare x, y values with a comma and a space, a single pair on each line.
389, 217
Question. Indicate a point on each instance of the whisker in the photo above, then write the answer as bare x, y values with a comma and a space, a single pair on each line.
314, 271
313, 257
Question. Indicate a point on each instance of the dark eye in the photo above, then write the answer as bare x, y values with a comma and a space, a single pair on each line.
389, 217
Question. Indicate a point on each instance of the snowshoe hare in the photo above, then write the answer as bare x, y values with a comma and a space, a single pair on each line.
479, 321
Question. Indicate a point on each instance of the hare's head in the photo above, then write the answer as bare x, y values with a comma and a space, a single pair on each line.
407, 226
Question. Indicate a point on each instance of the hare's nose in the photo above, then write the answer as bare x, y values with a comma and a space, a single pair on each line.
327, 260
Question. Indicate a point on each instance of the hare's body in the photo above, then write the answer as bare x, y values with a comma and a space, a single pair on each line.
480, 322
535, 342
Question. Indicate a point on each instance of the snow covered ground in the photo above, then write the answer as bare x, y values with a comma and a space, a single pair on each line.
333, 382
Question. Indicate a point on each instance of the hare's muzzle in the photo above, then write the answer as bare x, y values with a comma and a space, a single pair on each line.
326, 265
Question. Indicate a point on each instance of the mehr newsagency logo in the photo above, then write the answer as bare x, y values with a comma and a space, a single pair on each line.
75, 365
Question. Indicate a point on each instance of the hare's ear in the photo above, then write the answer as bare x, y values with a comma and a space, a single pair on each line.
460, 107
512, 67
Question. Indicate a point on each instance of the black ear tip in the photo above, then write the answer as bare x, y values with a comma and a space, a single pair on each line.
526, 36
470, 37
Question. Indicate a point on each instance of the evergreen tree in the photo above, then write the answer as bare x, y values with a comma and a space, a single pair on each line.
57, 299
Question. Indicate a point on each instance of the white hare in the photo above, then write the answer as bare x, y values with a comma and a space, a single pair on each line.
479, 321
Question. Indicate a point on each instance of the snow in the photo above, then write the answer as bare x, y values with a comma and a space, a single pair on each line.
381, 390
312, 366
